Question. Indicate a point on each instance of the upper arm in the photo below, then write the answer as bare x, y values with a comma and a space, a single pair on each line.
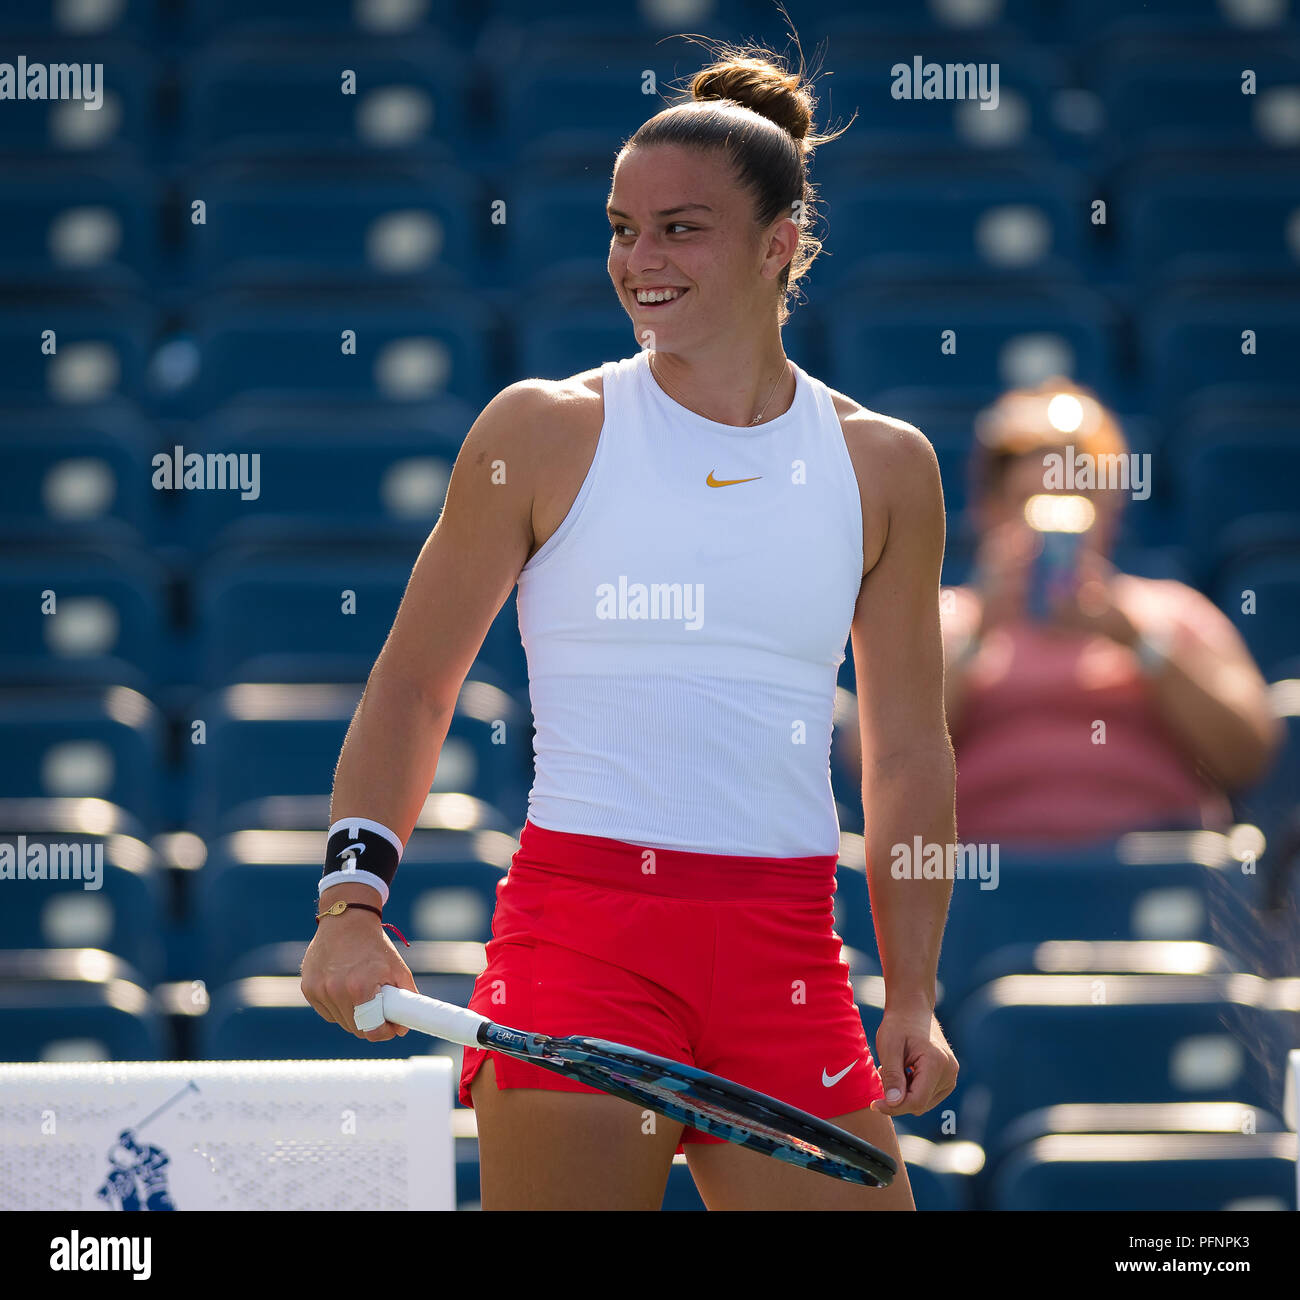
1199, 617
1238, 680
897, 640
471, 560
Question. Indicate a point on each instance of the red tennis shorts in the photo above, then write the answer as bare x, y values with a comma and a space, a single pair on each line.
728, 963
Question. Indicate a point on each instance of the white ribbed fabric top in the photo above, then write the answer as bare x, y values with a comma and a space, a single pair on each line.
684, 640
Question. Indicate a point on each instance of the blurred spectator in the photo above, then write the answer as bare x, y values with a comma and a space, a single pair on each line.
1083, 702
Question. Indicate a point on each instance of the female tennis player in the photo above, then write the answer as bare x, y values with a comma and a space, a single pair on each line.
695, 530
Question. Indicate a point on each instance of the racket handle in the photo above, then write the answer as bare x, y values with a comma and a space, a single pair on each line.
428, 1015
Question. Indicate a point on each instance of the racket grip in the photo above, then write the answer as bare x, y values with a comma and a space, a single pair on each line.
415, 1011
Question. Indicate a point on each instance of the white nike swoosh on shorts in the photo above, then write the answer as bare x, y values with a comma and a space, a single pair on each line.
830, 1080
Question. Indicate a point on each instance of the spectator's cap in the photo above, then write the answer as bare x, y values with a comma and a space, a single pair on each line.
1057, 413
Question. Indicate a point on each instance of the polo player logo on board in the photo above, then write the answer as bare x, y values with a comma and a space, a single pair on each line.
137, 1177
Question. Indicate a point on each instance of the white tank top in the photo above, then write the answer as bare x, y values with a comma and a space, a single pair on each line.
684, 639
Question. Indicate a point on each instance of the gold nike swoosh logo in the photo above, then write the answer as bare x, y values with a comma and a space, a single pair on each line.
727, 482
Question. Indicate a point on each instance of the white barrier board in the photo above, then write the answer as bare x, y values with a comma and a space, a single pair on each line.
227, 1135
1292, 1108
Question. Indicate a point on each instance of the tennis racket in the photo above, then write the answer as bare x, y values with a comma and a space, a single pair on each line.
681, 1092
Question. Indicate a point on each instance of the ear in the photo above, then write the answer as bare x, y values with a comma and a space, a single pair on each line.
782, 244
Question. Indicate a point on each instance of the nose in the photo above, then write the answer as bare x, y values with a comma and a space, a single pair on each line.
644, 255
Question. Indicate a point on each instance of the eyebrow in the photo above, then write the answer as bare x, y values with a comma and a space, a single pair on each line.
667, 212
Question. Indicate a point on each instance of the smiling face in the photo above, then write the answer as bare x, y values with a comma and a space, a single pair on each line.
684, 231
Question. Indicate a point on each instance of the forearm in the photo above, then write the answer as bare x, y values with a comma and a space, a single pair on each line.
906, 797
1216, 712
387, 763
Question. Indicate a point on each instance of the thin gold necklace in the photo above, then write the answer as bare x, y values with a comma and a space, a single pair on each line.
755, 420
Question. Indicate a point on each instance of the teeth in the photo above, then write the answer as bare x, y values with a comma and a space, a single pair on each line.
657, 295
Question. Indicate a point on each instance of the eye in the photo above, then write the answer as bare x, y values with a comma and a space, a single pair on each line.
617, 229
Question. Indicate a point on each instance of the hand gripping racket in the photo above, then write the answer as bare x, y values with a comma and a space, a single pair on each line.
681, 1092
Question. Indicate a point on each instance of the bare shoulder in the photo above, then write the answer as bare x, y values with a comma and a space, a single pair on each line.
550, 429
538, 408
880, 441
1173, 601
897, 471
531, 423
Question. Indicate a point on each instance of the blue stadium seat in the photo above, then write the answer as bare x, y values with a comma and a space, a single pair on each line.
1006, 17
405, 349
78, 1015
122, 914
73, 476
252, 100
396, 466
266, 1017
67, 225
287, 20
1271, 628
273, 225
852, 903
86, 742
257, 886
56, 18
940, 1173
1162, 95
1112, 19
1238, 462
558, 231
953, 227
1144, 887
284, 738
1029, 1041
1192, 224
123, 127
577, 154
1021, 125
885, 347
1183, 1118
102, 619
553, 346
449, 959
444, 811
1274, 802
73, 352
583, 15
549, 97
1193, 349
276, 617
1142, 1172
1102, 957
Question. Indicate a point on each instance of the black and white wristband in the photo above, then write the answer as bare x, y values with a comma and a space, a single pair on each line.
361, 852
